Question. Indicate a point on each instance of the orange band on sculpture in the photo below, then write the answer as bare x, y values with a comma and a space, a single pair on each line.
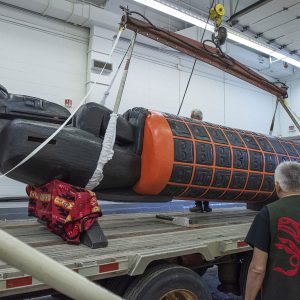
157, 156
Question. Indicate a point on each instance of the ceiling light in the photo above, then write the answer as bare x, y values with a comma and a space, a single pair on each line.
292, 61
175, 12
186, 16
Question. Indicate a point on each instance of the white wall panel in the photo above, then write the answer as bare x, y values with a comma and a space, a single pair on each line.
248, 109
145, 90
204, 93
44, 58
149, 71
11, 189
148, 85
42, 64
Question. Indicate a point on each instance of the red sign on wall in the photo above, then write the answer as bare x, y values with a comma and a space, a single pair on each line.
68, 103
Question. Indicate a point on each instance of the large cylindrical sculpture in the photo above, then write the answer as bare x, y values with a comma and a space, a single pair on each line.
189, 159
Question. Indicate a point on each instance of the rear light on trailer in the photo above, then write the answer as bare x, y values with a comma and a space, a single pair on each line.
17, 282
109, 267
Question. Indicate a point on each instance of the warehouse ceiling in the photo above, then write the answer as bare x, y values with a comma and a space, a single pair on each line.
276, 21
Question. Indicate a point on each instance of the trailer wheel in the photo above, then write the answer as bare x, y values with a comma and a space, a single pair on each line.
167, 282
246, 260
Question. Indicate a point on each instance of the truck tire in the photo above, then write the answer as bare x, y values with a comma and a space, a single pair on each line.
166, 282
246, 260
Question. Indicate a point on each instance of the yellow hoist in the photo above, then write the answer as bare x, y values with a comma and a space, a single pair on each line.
216, 13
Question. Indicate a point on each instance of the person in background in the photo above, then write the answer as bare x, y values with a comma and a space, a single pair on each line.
275, 237
199, 205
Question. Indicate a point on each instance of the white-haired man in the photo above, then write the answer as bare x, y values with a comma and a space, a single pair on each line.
199, 205
275, 237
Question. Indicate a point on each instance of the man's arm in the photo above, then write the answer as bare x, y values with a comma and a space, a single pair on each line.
256, 273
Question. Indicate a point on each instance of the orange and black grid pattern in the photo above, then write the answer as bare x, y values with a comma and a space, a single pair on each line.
213, 162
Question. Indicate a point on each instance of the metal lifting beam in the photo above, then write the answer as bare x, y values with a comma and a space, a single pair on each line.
203, 53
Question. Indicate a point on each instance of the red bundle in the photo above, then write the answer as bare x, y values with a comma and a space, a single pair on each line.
67, 210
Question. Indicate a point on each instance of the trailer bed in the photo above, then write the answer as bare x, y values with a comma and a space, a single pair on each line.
135, 240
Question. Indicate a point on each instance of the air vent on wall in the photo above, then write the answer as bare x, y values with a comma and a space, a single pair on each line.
98, 65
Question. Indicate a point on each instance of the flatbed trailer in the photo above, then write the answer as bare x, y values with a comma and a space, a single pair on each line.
136, 243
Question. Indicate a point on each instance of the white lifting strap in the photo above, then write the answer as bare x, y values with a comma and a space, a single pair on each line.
107, 151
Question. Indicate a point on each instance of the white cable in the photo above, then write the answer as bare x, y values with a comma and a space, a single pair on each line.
41, 146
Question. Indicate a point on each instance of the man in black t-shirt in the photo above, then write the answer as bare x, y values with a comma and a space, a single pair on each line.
200, 206
275, 237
